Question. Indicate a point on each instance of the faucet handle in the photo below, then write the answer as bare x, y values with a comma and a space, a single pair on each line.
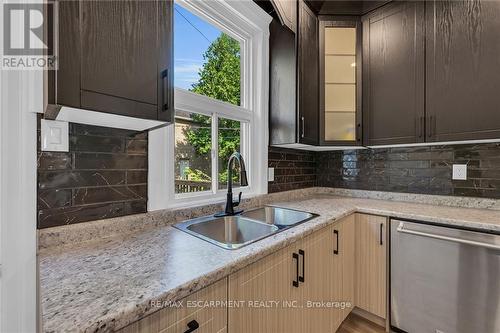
236, 203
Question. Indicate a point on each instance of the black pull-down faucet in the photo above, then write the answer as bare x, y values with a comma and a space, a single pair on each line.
229, 211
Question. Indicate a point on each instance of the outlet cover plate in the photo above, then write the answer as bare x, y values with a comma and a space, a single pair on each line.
459, 172
54, 135
270, 174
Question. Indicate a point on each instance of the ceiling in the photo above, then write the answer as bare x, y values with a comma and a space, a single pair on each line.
331, 7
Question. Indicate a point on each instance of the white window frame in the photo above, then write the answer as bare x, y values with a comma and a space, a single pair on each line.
21, 97
247, 23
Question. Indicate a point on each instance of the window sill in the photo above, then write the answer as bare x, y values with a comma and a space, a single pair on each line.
206, 198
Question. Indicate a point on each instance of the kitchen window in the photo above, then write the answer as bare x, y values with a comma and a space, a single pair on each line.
221, 62
208, 63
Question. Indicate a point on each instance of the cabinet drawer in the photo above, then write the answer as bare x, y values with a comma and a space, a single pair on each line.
207, 319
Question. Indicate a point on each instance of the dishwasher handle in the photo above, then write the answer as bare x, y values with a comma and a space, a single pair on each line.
401, 229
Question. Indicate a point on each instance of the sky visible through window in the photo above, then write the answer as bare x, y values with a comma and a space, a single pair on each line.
192, 36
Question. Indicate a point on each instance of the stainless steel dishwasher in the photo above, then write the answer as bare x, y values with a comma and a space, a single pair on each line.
444, 280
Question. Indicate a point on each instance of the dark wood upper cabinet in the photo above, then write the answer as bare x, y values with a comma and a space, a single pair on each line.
429, 73
463, 63
282, 85
308, 76
116, 57
393, 74
294, 80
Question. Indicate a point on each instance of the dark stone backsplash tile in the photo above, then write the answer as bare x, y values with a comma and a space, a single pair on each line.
137, 176
137, 146
54, 198
103, 175
425, 170
54, 161
87, 143
110, 161
91, 195
293, 169
76, 214
80, 178
78, 129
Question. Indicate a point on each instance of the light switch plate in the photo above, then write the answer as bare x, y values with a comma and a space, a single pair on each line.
54, 135
270, 174
459, 172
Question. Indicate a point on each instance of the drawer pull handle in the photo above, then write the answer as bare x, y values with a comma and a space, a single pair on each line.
295, 283
165, 91
381, 237
303, 254
336, 232
303, 120
192, 326
421, 125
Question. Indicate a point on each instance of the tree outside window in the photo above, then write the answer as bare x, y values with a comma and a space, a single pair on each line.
219, 78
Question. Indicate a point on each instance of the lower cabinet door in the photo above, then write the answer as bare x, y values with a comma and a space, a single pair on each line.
320, 283
267, 294
347, 254
343, 281
371, 274
191, 315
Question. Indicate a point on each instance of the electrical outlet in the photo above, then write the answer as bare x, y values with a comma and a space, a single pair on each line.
270, 174
459, 172
54, 135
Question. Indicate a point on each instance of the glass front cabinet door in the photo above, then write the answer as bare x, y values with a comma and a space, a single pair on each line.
340, 82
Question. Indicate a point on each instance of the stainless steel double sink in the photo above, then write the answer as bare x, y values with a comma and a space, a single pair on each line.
233, 232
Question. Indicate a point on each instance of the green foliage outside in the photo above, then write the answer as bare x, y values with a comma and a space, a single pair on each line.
220, 79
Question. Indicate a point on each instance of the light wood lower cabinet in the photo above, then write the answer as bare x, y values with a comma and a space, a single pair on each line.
323, 285
371, 266
269, 292
309, 286
320, 287
346, 263
194, 312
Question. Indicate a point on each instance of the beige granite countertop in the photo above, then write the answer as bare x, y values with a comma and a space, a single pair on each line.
105, 285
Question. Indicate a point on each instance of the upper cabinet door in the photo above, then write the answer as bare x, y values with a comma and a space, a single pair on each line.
308, 76
116, 57
393, 74
287, 12
282, 85
340, 81
463, 63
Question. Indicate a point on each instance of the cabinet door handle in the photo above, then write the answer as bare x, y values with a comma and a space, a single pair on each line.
192, 326
381, 238
336, 232
421, 131
303, 254
165, 94
303, 126
431, 119
295, 283
434, 126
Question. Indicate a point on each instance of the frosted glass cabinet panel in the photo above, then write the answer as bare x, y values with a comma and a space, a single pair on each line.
340, 97
341, 40
339, 71
340, 126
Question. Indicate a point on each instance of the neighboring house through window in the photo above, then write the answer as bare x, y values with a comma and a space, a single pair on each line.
221, 62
